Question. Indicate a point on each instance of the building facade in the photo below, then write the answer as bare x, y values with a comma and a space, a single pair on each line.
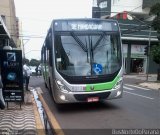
8, 15
136, 33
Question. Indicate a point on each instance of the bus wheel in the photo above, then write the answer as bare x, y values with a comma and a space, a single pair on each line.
50, 89
45, 85
51, 93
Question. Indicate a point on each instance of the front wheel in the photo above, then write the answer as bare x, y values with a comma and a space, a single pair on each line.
45, 85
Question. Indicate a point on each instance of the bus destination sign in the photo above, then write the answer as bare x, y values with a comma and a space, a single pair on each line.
78, 25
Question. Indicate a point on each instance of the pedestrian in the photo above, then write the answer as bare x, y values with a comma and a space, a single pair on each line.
26, 75
36, 69
39, 70
2, 102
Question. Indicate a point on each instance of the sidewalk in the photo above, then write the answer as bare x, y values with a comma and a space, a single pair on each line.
24, 120
151, 83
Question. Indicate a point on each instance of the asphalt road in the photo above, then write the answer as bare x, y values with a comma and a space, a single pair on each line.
138, 109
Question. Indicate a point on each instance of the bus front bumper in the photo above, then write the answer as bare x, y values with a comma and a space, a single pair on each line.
75, 97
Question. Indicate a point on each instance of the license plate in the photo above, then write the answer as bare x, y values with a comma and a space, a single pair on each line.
93, 99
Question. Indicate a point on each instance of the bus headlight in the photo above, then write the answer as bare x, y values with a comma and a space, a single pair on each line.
118, 93
118, 84
62, 87
62, 97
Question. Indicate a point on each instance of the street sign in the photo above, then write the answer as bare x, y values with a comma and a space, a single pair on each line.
12, 75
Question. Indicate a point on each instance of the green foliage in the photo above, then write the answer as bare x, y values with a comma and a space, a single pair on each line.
155, 52
155, 10
34, 62
156, 24
25, 61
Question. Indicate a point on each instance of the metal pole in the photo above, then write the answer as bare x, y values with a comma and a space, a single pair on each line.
23, 49
149, 45
24, 46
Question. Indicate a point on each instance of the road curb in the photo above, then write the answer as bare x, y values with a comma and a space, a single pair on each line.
51, 118
38, 122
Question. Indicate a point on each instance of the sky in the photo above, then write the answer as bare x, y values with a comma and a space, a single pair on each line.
36, 17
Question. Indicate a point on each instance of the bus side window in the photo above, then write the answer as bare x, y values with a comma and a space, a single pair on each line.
50, 58
49, 47
49, 40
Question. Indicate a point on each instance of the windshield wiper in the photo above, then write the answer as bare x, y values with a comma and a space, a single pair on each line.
98, 41
79, 42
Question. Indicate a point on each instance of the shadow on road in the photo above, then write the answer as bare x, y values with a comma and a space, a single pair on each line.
83, 107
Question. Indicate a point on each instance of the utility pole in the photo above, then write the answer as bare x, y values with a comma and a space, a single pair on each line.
149, 46
23, 44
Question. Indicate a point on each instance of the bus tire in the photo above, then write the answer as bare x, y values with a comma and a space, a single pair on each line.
45, 85
50, 91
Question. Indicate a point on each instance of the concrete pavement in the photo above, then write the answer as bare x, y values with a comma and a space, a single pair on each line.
21, 120
144, 81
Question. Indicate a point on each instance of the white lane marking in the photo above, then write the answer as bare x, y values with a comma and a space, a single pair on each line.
139, 95
137, 87
127, 88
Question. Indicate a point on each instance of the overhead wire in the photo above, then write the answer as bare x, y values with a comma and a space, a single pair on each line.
33, 19
39, 36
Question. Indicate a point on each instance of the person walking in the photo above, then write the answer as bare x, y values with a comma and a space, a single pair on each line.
40, 69
26, 75
36, 69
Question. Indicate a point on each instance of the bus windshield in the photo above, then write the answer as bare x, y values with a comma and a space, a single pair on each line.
87, 54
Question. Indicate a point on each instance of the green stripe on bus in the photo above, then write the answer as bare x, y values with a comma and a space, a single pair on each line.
102, 86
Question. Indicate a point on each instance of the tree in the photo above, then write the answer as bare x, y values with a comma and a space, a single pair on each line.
34, 62
26, 61
155, 50
155, 10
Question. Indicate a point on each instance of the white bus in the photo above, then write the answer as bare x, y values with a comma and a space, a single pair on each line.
82, 60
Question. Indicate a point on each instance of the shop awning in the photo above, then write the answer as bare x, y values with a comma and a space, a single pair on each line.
3, 30
134, 30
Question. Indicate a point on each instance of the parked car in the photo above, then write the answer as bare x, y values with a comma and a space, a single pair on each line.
33, 70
